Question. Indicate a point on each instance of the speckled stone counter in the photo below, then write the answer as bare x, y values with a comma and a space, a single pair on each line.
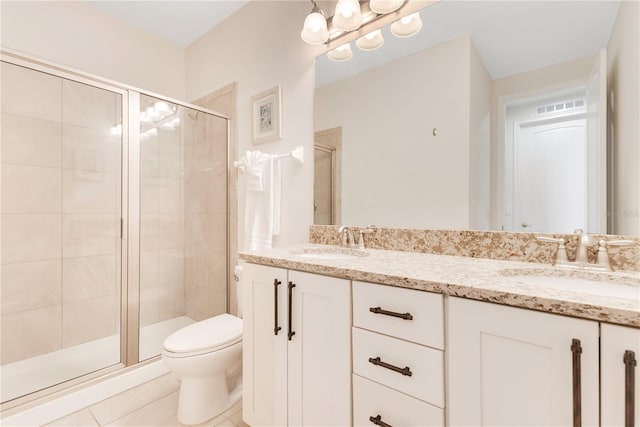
503, 245
488, 280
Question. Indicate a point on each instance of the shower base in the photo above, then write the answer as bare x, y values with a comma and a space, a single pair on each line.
36, 373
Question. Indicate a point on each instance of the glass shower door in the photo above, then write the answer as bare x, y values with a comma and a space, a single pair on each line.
183, 219
61, 246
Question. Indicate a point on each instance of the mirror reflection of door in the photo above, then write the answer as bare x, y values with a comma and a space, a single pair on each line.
547, 171
550, 176
326, 189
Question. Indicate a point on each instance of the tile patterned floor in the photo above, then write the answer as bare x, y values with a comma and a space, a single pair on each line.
150, 404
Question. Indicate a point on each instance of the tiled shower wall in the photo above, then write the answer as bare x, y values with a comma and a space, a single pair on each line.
183, 219
60, 213
206, 217
161, 223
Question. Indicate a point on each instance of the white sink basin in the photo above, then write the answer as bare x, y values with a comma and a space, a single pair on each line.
328, 253
593, 283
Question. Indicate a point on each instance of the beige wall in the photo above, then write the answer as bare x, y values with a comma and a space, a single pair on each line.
76, 35
479, 142
623, 57
429, 186
544, 80
259, 47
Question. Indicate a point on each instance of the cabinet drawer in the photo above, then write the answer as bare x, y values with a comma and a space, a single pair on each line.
396, 409
426, 309
426, 381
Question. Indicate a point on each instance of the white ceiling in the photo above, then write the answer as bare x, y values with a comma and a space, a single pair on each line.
180, 22
511, 36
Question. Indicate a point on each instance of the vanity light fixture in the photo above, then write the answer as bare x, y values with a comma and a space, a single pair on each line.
371, 41
354, 15
407, 26
341, 53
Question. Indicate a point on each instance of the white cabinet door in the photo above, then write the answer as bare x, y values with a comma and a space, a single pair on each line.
319, 351
618, 345
511, 366
264, 354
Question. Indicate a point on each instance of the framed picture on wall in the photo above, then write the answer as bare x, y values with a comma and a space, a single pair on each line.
267, 116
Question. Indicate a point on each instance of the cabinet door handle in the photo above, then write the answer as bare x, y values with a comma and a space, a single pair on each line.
404, 371
576, 350
377, 420
378, 310
276, 328
291, 286
629, 387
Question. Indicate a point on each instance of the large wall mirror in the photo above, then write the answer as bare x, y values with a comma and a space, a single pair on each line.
518, 116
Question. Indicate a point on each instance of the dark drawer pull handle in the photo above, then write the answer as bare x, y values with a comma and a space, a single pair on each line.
404, 371
629, 387
377, 420
378, 310
291, 286
576, 350
276, 328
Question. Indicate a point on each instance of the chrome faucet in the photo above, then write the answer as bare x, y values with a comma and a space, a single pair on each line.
584, 241
347, 236
582, 253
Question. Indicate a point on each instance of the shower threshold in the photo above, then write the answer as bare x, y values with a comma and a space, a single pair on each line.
36, 373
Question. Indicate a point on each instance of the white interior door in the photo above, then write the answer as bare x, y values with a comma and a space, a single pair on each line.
550, 176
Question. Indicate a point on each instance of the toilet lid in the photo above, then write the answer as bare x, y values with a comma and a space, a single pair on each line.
206, 334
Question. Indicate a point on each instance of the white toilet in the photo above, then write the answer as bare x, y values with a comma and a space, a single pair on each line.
206, 356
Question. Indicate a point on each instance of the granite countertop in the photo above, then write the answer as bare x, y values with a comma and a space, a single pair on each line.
480, 279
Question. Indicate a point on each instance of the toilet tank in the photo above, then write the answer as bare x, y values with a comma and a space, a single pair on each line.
237, 276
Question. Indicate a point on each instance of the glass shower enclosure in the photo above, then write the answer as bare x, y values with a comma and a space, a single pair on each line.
114, 225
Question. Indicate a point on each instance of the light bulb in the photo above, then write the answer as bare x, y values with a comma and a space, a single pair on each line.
370, 41
406, 19
161, 106
315, 30
341, 53
407, 26
347, 16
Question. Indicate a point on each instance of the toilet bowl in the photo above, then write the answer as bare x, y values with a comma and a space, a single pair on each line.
204, 356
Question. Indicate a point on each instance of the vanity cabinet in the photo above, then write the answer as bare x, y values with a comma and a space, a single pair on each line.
398, 358
296, 348
620, 375
512, 366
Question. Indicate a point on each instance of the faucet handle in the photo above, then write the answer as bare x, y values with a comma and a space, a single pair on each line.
361, 233
603, 254
561, 254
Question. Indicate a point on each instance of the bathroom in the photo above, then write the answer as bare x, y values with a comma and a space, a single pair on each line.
195, 74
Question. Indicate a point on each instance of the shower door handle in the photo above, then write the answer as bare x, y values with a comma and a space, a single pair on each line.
291, 286
276, 328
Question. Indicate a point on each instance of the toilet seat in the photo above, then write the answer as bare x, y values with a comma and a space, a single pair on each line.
203, 337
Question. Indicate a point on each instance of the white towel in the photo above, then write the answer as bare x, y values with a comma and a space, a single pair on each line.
252, 165
262, 201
